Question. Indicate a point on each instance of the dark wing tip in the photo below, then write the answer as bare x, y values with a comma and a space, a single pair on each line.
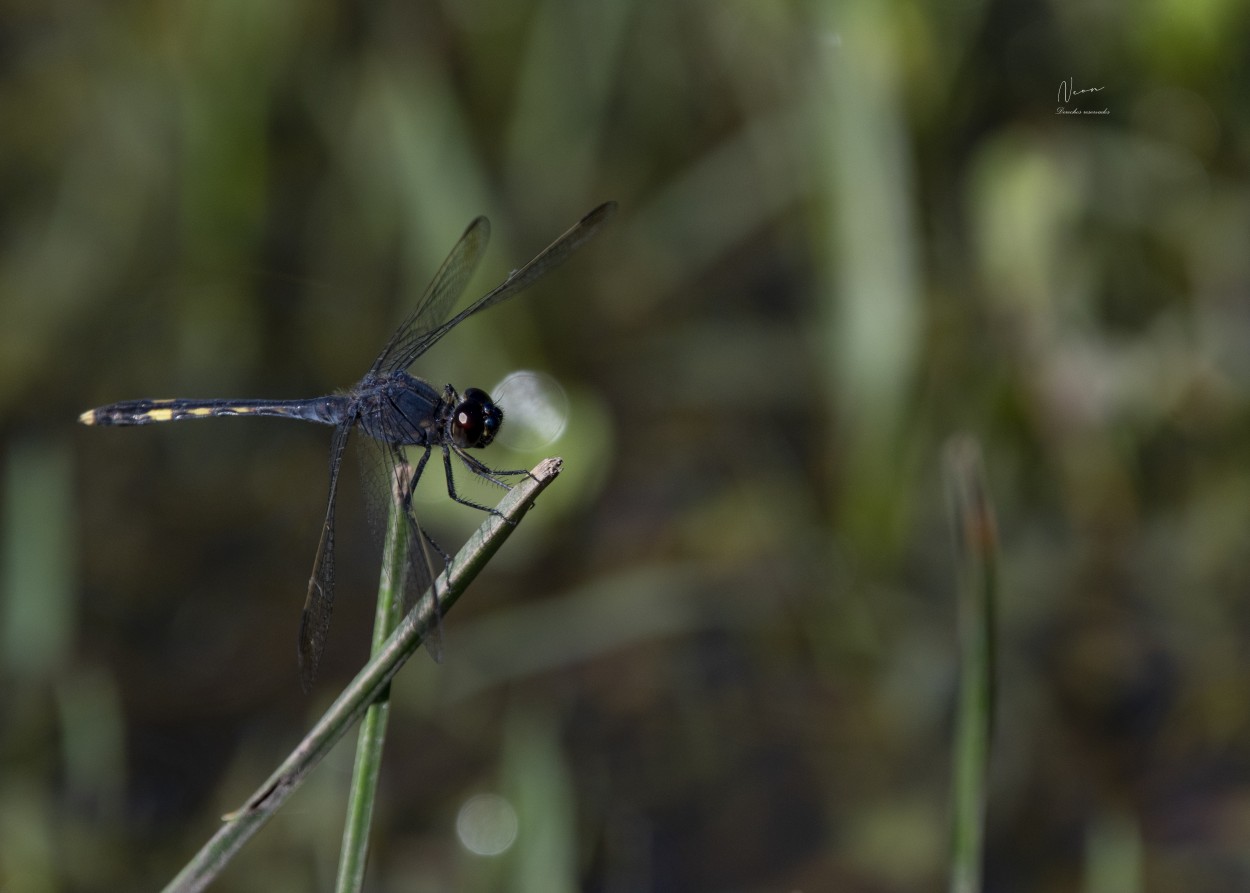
600, 214
590, 224
311, 645
309, 658
480, 228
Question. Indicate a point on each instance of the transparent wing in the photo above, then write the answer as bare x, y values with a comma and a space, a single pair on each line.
319, 604
448, 284
421, 340
420, 570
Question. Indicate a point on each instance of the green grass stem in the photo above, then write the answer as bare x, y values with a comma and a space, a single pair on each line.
353, 856
370, 683
977, 559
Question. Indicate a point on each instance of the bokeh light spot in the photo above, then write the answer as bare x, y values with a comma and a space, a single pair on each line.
486, 824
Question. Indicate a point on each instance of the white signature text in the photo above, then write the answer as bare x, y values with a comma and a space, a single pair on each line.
1066, 92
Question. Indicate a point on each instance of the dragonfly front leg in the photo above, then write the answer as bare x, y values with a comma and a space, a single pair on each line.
491, 474
451, 487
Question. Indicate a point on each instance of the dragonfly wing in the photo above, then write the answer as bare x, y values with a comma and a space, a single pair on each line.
448, 284
420, 570
319, 604
548, 259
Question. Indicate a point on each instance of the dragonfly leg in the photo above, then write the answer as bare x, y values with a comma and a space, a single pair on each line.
451, 487
485, 471
407, 504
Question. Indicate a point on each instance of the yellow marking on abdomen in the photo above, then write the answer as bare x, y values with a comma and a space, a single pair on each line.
158, 415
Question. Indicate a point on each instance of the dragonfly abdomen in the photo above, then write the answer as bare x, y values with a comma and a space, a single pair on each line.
327, 410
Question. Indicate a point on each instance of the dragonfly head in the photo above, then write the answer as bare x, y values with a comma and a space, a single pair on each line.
476, 420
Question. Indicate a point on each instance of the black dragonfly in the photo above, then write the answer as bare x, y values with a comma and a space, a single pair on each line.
394, 408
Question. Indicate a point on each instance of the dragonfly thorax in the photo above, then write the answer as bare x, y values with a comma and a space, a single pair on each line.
401, 409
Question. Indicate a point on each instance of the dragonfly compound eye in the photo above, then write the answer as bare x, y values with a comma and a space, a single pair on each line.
476, 421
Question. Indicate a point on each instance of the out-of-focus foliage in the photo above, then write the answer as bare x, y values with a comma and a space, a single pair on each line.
720, 653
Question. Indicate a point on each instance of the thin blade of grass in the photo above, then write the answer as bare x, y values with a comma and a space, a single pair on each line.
353, 856
976, 542
369, 683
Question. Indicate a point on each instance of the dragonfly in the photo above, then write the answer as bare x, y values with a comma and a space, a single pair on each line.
395, 409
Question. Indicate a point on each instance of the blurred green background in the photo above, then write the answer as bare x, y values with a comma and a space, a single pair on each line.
720, 653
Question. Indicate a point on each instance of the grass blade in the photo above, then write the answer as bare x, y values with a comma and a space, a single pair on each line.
353, 856
368, 685
977, 558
